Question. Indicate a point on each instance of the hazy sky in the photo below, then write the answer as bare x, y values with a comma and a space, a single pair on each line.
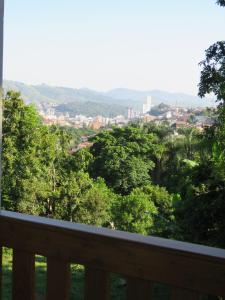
103, 44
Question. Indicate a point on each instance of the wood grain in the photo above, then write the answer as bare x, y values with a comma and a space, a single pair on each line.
174, 263
138, 289
96, 284
23, 275
58, 279
178, 294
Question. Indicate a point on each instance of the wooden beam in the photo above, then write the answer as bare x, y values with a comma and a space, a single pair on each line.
178, 294
174, 263
58, 279
23, 276
96, 284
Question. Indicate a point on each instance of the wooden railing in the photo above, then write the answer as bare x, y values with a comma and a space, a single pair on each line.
190, 270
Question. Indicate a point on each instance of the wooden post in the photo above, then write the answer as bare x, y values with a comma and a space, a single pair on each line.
96, 284
138, 289
58, 279
23, 287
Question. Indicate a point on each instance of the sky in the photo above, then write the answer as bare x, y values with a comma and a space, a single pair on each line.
106, 44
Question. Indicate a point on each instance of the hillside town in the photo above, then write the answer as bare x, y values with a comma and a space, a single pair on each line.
174, 116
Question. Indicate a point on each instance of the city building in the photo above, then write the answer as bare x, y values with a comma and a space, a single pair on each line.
148, 105
130, 113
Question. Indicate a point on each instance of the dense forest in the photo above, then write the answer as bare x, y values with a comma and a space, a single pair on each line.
140, 178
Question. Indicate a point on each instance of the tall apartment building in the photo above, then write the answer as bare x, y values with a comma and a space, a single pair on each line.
148, 105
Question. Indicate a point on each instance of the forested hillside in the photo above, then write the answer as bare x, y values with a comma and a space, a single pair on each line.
92, 109
139, 178
118, 98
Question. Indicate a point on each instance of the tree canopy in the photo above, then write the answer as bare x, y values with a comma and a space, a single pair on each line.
213, 72
142, 178
221, 2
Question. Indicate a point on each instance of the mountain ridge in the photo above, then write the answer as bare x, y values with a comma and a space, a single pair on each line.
120, 97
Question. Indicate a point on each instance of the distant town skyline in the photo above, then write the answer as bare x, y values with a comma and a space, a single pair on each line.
102, 45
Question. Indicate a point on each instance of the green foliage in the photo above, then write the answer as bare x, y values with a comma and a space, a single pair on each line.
137, 178
95, 204
213, 81
221, 2
122, 158
147, 210
201, 215
22, 141
78, 101
81, 160
159, 109
134, 213
40, 176
92, 109
163, 201
83, 200
213, 72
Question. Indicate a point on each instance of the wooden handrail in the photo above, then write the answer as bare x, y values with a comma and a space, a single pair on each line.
186, 266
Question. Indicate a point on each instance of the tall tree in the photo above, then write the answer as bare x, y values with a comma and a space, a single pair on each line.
21, 160
213, 72
201, 214
221, 2
123, 158
40, 176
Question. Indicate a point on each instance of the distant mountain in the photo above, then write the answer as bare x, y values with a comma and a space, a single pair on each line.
30, 93
178, 99
44, 92
91, 109
112, 102
74, 101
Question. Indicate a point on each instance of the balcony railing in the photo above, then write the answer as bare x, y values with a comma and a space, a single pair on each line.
190, 270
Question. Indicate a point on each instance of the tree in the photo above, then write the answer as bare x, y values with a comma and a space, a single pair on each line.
81, 160
213, 81
221, 2
21, 144
163, 220
201, 213
212, 78
95, 205
41, 177
134, 213
83, 200
123, 158
147, 210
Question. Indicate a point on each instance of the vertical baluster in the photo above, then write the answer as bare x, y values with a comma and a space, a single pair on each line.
138, 289
58, 279
96, 284
178, 294
23, 276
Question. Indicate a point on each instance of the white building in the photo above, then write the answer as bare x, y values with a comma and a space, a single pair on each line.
148, 105
131, 113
